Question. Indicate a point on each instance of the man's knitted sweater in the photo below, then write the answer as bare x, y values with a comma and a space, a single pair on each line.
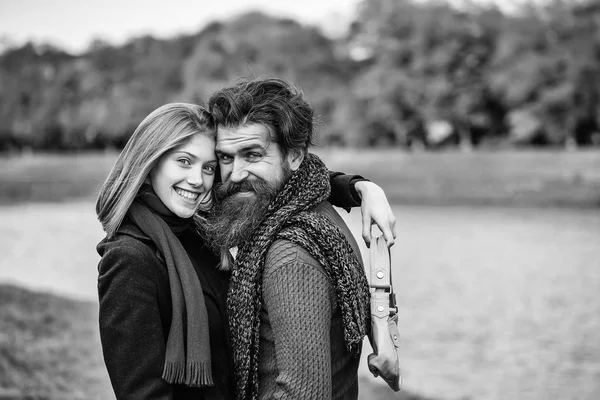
302, 348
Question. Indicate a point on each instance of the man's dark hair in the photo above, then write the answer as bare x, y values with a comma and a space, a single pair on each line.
272, 102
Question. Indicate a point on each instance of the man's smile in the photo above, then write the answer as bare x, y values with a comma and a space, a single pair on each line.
243, 194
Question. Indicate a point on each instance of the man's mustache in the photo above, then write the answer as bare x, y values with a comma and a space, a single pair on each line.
226, 189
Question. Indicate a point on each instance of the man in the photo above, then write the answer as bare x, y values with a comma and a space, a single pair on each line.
298, 301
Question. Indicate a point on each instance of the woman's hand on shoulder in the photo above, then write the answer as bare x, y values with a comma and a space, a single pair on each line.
376, 209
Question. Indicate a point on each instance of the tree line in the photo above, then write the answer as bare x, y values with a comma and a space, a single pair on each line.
407, 74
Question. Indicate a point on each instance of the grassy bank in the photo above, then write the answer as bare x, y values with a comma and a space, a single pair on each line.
50, 349
504, 178
510, 178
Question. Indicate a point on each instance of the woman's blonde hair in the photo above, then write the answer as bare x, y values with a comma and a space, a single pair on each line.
165, 129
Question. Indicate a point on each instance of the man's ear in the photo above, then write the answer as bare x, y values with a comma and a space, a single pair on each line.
294, 158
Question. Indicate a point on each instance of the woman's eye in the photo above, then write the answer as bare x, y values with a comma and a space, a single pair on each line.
184, 161
209, 168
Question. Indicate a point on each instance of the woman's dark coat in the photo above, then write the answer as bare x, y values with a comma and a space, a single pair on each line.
135, 316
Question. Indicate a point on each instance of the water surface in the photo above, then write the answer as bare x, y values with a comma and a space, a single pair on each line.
499, 303
494, 303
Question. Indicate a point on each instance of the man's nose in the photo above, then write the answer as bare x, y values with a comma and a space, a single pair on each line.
238, 172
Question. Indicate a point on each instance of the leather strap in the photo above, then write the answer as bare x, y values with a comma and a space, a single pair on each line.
384, 338
381, 273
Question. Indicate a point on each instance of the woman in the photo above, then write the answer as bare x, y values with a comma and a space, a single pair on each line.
163, 324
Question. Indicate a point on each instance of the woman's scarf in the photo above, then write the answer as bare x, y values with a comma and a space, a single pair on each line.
187, 358
289, 217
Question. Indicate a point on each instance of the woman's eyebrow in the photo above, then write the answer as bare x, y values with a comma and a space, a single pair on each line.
185, 152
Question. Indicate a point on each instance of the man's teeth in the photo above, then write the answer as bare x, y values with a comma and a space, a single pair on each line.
187, 195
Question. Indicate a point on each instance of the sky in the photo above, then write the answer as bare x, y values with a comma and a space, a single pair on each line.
73, 24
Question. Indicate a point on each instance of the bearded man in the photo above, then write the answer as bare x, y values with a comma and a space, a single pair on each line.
298, 301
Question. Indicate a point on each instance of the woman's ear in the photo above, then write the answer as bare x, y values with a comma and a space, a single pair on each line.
294, 158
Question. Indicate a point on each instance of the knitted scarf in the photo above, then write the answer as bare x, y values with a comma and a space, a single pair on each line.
289, 217
187, 358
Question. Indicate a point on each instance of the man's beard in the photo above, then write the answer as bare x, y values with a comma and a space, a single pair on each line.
235, 217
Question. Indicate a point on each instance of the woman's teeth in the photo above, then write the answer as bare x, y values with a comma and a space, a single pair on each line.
187, 195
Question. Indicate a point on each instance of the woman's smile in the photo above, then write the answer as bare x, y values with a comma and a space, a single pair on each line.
186, 194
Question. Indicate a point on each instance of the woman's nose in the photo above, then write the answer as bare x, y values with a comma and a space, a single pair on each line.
195, 177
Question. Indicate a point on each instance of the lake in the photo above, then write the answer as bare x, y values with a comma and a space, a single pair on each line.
495, 303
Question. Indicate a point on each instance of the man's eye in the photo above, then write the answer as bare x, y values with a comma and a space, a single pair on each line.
184, 161
224, 158
253, 156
